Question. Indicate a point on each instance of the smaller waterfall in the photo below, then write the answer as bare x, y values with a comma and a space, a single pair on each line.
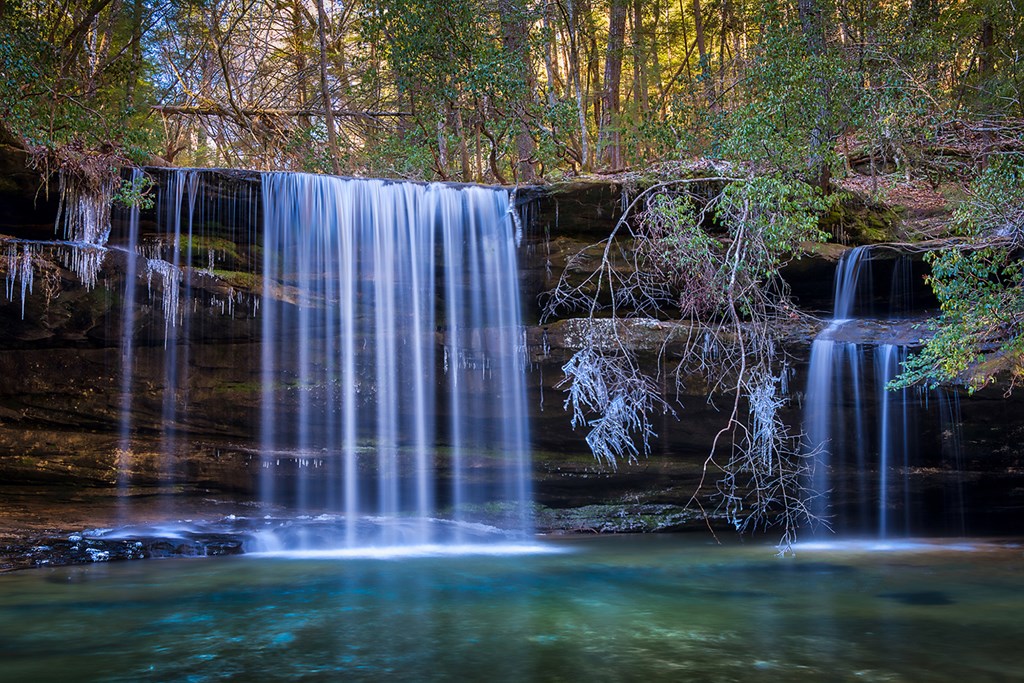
862, 435
901, 297
848, 276
826, 376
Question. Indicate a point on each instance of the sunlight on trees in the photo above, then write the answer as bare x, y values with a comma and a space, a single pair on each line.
508, 90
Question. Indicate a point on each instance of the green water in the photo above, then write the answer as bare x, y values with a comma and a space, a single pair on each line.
610, 609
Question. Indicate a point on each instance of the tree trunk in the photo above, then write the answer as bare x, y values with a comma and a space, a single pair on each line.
574, 66
74, 42
515, 33
479, 155
460, 131
812, 24
611, 151
986, 43
136, 64
639, 57
705, 60
332, 135
550, 51
300, 56
655, 48
594, 92
723, 43
442, 141
738, 30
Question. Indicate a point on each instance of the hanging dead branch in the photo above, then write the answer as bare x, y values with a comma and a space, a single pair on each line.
270, 112
662, 259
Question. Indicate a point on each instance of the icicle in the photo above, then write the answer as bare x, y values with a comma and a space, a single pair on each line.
12, 269
19, 269
85, 214
85, 261
26, 275
515, 217
170, 281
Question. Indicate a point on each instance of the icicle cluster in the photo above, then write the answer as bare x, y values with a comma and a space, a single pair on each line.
85, 261
170, 283
19, 267
85, 213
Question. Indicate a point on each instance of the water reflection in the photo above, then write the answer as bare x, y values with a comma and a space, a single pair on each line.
614, 609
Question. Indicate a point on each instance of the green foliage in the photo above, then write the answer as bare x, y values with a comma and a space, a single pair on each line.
981, 293
401, 155
995, 81
779, 212
556, 136
513, 78
23, 63
686, 255
59, 86
452, 70
899, 103
309, 147
980, 287
766, 219
135, 192
995, 205
796, 102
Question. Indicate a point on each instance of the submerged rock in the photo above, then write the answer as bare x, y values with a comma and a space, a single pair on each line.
623, 518
79, 549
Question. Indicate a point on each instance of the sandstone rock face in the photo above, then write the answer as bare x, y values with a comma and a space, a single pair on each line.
63, 407
27, 206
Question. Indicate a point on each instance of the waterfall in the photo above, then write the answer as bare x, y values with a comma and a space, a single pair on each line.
860, 433
848, 276
388, 350
826, 374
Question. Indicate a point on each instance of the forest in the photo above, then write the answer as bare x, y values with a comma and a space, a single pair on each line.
516, 91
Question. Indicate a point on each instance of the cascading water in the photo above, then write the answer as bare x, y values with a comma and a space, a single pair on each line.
828, 358
127, 342
389, 355
859, 431
376, 269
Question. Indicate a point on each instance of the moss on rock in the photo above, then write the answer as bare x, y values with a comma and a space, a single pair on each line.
855, 219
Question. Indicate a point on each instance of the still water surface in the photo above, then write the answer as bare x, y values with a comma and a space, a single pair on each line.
606, 609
